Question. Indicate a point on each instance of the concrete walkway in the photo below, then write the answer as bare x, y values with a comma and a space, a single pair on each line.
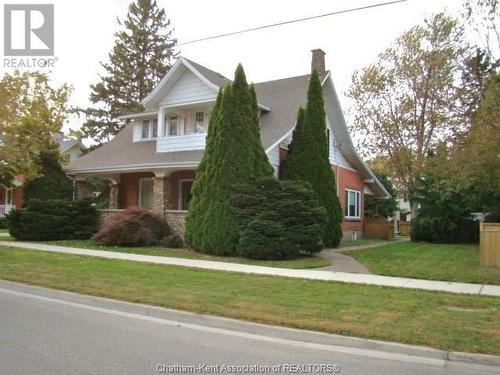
398, 282
341, 262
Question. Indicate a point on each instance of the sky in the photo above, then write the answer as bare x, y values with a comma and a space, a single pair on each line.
84, 36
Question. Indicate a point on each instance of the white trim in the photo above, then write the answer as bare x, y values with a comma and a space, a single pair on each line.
165, 78
281, 139
179, 191
358, 208
186, 164
139, 190
137, 115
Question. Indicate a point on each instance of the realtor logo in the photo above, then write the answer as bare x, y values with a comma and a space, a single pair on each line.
29, 29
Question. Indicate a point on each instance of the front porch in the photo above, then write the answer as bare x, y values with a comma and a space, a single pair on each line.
167, 193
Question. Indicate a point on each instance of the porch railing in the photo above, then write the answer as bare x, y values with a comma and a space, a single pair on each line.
5, 209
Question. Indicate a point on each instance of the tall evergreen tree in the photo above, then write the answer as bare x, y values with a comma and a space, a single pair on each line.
53, 183
308, 159
233, 155
142, 54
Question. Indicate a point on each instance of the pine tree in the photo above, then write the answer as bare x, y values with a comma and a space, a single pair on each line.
141, 56
53, 183
233, 155
308, 159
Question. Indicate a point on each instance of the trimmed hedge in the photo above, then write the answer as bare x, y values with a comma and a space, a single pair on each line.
54, 219
132, 227
444, 230
278, 219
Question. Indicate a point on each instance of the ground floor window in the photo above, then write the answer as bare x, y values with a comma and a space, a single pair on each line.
146, 193
352, 205
185, 193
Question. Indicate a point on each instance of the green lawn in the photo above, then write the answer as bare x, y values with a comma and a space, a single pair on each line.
428, 261
302, 262
441, 320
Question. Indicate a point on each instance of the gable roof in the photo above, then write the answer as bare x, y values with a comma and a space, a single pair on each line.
283, 96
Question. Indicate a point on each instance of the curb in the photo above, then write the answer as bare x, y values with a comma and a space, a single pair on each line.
361, 346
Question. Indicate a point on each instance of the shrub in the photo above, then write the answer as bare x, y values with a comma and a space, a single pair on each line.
54, 219
3, 223
277, 220
443, 215
172, 241
132, 227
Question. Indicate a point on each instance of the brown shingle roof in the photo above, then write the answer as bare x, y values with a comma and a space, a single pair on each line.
283, 96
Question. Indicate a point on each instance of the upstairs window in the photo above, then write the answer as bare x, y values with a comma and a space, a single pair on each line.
145, 129
199, 123
352, 206
173, 125
155, 128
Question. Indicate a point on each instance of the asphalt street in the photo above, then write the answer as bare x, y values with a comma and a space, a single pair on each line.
51, 332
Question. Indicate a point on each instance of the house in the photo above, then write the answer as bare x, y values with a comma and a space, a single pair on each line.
151, 162
10, 198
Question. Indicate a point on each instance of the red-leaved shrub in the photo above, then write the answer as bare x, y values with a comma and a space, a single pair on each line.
132, 227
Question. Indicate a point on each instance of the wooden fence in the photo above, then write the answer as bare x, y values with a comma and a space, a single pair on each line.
404, 228
379, 229
489, 244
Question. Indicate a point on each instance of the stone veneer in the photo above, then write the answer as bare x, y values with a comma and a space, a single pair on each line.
174, 218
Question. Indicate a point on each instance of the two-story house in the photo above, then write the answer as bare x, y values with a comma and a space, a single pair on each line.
151, 163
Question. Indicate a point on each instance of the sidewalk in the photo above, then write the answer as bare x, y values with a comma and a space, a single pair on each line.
398, 282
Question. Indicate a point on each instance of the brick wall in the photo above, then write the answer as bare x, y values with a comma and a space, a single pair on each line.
174, 187
128, 189
349, 179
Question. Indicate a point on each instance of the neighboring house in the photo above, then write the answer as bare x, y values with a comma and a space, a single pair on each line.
151, 163
70, 148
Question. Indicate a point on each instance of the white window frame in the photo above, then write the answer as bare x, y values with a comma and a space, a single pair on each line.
357, 208
143, 127
202, 124
139, 198
153, 127
180, 191
178, 119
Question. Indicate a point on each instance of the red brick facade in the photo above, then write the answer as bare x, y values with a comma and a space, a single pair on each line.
128, 189
174, 179
349, 179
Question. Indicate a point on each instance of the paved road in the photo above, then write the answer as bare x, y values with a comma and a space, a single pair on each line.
49, 332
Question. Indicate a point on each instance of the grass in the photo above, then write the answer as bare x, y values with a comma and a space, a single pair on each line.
440, 320
455, 262
298, 263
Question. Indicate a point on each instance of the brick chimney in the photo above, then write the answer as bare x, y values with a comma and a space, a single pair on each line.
318, 61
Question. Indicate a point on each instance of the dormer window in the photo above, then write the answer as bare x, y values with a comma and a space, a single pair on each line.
145, 129
199, 122
155, 128
173, 125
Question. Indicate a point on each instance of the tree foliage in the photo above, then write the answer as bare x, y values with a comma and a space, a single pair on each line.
308, 159
277, 219
444, 213
52, 183
233, 155
409, 100
32, 111
475, 160
142, 54
483, 16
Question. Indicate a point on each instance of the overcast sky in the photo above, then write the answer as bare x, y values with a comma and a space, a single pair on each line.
84, 36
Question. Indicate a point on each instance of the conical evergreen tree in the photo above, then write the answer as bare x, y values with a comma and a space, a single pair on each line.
53, 183
233, 155
142, 54
308, 159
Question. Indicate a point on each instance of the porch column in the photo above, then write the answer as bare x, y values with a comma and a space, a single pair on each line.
113, 196
161, 185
